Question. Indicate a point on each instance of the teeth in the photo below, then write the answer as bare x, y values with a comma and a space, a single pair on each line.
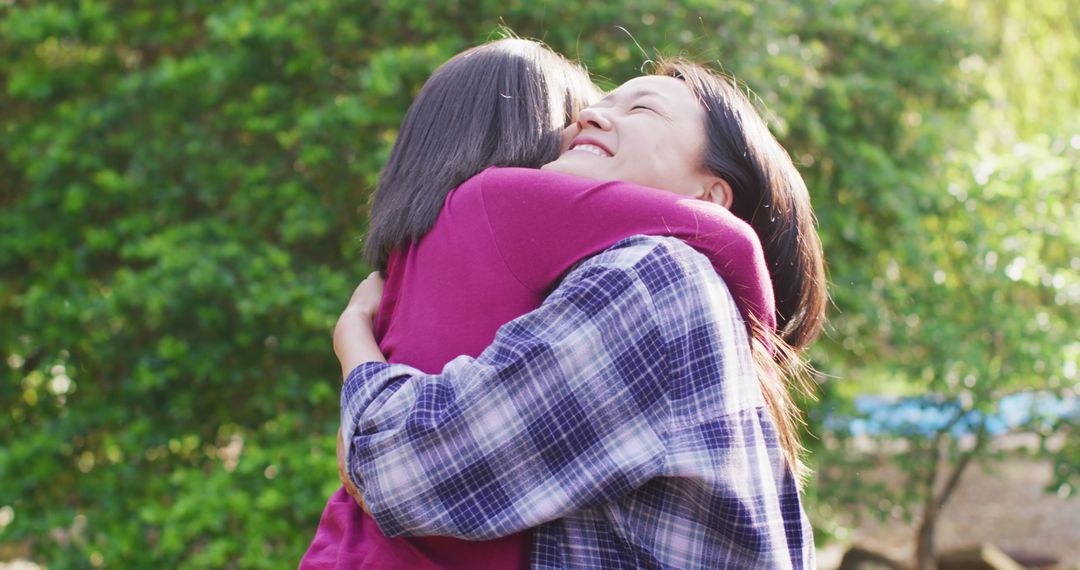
593, 149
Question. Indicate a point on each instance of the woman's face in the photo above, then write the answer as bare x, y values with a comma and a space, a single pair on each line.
649, 131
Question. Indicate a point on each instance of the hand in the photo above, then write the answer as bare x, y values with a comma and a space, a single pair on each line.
345, 481
353, 335
367, 296
354, 343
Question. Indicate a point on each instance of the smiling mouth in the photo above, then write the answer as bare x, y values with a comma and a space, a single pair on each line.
592, 149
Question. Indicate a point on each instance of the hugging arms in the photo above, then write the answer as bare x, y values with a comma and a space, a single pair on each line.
640, 418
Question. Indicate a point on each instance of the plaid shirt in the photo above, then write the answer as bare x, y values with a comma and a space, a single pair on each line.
622, 420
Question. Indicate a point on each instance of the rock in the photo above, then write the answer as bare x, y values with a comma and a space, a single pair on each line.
1029, 559
982, 557
859, 558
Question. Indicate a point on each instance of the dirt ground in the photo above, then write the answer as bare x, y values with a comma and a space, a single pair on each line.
1007, 507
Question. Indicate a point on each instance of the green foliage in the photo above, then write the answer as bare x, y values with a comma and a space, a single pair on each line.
183, 188
979, 297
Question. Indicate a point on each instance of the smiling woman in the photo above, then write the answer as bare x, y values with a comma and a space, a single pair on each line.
629, 383
499, 243
650, 130
694, 133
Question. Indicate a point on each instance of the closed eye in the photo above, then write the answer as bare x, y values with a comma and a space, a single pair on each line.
635, 107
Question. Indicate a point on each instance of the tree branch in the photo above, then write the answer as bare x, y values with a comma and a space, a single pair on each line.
961, 466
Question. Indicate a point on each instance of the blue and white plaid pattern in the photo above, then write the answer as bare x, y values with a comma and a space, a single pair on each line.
622, 419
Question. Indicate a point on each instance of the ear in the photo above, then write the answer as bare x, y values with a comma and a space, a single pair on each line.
718, 191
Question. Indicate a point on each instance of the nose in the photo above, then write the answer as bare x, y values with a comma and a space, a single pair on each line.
595, 117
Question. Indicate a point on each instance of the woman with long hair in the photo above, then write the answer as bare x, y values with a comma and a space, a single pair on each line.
503, 103
467, 252
694, 134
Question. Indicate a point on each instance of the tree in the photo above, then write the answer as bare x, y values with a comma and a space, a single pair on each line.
980, 299
183, 189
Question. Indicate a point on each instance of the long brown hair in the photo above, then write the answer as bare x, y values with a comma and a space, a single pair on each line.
503, 103
770, 195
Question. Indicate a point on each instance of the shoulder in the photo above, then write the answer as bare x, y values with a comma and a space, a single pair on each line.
673, 274
498, 177
515, 188
655, 257
536, 184
707, 340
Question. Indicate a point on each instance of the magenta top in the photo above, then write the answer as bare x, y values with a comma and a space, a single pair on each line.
499, 246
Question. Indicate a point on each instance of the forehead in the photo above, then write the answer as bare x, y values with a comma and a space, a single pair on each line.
677, 102
669, 88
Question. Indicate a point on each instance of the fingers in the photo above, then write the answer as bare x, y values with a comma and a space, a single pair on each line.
341, 459
374, 282
343, 474
368, 293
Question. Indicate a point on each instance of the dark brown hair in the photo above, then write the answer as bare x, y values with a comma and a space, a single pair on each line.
769, 194
503, 103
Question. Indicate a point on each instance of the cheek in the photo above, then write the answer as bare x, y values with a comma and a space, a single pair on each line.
664, 161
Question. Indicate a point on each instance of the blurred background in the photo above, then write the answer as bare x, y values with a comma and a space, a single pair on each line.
183, 191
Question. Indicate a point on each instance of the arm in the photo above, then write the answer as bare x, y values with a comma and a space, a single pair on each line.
354, 344
545, 222
354, 335
565, 410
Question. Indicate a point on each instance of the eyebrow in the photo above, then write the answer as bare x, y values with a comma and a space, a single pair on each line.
633, 95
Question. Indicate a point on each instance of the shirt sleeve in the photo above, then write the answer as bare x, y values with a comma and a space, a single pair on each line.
545, 222
565, 410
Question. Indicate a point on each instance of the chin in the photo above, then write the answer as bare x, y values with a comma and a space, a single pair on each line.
568, 165
558, 165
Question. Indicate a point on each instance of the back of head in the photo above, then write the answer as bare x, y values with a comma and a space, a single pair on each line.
503, 103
